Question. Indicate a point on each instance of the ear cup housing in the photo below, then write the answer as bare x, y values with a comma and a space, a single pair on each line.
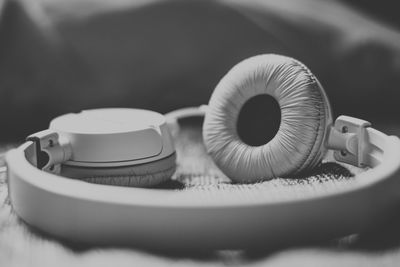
142, 175
305, 117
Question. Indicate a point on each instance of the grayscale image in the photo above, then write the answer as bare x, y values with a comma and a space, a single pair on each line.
199, 133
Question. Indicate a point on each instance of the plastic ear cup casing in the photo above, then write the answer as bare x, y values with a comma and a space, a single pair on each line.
305, 117
117, 146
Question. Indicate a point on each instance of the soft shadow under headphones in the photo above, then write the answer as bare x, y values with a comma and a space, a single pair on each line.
131, 147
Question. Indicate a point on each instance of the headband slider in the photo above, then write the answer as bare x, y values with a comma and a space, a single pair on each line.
51, 150
348, 138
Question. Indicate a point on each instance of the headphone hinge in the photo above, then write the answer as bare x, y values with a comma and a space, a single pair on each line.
348, 138
51, 150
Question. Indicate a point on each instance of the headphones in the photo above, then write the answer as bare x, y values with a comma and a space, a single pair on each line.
88, 177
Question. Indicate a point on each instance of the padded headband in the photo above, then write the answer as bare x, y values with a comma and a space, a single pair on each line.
190, 219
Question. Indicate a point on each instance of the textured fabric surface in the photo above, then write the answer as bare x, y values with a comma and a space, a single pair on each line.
21, 246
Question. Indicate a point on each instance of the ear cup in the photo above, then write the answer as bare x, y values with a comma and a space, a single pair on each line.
305, 117
142, 175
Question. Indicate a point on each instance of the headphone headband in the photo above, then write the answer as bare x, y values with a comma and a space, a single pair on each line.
102, 214
123, 147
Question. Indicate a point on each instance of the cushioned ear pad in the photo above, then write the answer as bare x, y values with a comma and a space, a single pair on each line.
305, 116
142, 175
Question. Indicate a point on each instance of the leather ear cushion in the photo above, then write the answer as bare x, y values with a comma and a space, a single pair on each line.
305, 116
142, 175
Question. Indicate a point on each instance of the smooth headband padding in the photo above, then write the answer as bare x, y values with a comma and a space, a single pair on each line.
142, 175
305, 116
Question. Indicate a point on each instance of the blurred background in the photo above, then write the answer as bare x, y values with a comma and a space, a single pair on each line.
64, 56
60, 56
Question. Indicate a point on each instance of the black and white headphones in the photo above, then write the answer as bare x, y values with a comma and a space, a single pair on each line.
124, 152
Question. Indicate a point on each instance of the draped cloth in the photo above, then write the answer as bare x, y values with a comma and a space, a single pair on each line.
63, 56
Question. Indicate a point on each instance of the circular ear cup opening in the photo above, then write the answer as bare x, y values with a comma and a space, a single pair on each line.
230, 131
259, 120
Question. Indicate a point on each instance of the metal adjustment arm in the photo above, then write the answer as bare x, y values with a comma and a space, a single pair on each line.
348, 137
173, 117
51, 150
